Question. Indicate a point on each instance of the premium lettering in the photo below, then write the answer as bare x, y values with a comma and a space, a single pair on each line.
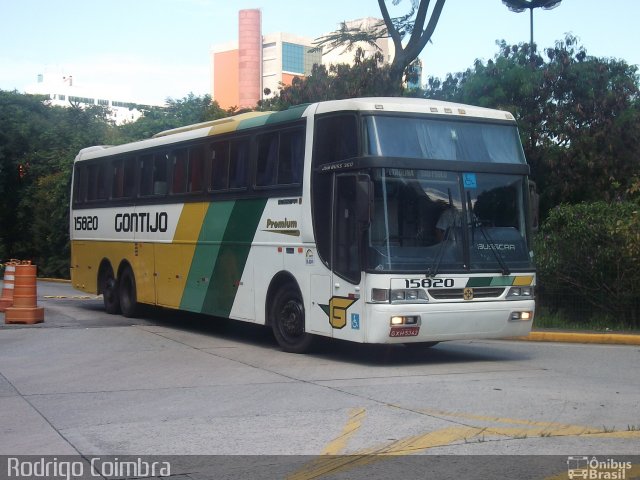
281, 223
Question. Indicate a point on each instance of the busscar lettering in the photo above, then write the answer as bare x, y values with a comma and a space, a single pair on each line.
496, 246
142, 222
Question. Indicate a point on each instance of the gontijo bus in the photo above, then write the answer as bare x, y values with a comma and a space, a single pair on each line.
375, 220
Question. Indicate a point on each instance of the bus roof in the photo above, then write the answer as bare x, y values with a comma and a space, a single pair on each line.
412, 105
256, 119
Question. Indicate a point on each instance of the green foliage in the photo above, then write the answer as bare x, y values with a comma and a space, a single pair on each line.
589, 254
176, 113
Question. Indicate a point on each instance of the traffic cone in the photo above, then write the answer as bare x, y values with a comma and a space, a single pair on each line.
6, 300
25, 308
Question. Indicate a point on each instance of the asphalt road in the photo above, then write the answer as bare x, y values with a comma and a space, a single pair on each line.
88, 383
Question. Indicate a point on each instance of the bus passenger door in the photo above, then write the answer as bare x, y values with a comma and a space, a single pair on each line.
351, 204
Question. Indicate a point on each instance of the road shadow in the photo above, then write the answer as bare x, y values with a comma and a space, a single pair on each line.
324, 349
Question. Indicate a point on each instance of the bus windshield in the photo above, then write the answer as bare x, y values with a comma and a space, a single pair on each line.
433, 222
415, 137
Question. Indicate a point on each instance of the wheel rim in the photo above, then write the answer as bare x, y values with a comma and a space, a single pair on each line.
291, 320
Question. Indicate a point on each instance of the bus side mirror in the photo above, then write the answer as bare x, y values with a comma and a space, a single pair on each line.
364, 200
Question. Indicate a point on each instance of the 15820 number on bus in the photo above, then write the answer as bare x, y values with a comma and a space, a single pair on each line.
86, 223
429, 282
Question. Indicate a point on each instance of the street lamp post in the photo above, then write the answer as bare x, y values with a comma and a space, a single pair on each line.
519, 6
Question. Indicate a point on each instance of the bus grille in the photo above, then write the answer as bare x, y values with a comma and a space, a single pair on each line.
458, 293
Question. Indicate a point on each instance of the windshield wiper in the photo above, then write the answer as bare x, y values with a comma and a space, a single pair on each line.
475, 223
433, 270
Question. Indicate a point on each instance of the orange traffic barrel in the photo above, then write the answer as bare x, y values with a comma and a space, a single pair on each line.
6, 300
25, 308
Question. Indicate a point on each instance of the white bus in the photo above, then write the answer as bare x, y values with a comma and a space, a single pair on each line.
374, 220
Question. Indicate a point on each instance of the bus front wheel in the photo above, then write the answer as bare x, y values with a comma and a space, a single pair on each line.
127, 293
287, 320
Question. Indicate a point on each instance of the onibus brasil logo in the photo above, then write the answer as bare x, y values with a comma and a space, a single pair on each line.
593, 468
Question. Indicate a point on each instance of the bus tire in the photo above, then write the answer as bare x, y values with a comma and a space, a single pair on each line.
127, 293
287, 320
109, 289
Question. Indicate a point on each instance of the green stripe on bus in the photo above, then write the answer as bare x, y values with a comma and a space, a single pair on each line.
206, 253
475, 282
232, 257
290, 114
502, 281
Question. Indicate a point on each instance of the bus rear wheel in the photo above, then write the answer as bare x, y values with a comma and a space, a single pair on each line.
109, 289
287, 320
127, 293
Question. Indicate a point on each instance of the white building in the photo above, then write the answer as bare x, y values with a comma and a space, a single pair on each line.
65, 91
344, 55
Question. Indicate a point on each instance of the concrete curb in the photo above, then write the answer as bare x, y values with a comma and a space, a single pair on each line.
54, 280
581, 337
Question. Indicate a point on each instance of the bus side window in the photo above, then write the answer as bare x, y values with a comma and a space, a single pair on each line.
195, 172
129, 177
219, 166
160, 174
179, 160
146, 175
124, 175
291, 158
336, 139
238, 162
117, 187
81, 181
267, 162
98, 185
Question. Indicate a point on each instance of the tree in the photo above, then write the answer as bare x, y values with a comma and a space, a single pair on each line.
366, 78
176, 113
411, 24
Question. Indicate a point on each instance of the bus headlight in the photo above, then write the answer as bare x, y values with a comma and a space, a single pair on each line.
521, 316
520, 293
404, 320
417, 295
380, 295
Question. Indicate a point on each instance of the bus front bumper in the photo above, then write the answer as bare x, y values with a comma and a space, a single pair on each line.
413, 323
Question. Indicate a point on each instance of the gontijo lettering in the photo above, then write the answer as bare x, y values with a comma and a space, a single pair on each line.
141, 222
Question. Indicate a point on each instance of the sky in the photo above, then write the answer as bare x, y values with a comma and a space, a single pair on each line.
150, 50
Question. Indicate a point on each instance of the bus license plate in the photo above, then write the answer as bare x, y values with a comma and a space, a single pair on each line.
404, 332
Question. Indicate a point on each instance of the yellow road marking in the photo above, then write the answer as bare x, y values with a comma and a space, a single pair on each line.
335, 459
353, 424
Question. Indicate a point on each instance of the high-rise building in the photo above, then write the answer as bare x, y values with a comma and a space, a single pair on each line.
253, 68
243, 71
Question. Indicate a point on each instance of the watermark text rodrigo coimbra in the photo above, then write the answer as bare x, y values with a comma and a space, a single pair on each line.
95, 467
